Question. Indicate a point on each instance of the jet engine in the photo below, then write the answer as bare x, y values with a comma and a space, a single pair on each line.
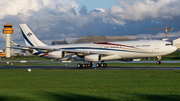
126, 59
93, 57
56, 54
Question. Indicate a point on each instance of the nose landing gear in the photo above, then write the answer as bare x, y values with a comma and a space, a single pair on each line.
159, 60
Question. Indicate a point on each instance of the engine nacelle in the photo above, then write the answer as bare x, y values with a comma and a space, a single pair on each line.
93, 57
126, 59
56, 54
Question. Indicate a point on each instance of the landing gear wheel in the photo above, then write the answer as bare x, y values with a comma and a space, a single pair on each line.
86, 65
97, 65
158, 62
102, 64
89, 65
105, 65
83, 65
79, 65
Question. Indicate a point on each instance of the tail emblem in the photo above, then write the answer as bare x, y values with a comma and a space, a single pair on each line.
29, 34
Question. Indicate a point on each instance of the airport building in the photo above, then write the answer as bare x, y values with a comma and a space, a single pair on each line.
176, 42
59, 42
102, 38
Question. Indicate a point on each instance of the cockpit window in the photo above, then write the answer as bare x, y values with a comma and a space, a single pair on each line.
169, 44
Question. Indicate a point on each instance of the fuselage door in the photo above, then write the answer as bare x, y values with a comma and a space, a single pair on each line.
156, 46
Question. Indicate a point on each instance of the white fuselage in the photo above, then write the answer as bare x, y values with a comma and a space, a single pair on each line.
123, 49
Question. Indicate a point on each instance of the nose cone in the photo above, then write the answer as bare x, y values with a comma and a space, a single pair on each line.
170, 49
174, 48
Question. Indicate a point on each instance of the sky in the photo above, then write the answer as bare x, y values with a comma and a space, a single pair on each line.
56, 20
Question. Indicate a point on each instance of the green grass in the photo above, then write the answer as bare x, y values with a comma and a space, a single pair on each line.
172, 56
80, 85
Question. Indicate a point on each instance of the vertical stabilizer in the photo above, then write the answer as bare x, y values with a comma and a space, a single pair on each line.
29, 37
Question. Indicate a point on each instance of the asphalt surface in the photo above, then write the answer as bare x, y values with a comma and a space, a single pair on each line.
93, 68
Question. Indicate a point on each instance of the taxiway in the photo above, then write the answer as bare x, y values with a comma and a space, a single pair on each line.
93, 68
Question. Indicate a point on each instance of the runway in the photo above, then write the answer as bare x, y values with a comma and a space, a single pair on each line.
93, 68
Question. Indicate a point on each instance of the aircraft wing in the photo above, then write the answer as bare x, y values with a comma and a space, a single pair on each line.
13, 43
41, 48
31, 48
65, 50
55, 49
20, 48
87, 52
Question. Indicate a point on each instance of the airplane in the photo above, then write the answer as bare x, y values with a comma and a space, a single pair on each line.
89, 53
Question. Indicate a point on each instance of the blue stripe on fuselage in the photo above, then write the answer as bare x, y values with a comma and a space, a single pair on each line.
73, 48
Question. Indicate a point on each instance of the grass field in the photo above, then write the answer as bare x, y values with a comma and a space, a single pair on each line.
89, 85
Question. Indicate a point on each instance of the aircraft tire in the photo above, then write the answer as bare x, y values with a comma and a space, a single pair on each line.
79, 65
83, 65
102, 64
97, 65
105, 65
89, 65
158, 62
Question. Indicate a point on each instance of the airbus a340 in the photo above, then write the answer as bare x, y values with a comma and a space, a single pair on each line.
96, 52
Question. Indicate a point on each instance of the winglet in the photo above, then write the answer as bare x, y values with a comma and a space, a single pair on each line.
14, 44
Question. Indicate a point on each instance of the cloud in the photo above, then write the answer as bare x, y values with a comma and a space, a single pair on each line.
14, 7
59, 20
83, 10
66, 3
145, 9
113, 21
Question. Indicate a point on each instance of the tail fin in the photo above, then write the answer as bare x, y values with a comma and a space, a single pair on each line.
29, 37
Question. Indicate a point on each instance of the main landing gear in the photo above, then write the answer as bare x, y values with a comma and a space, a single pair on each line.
101, 65
89, 65
84, 65
159, 60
